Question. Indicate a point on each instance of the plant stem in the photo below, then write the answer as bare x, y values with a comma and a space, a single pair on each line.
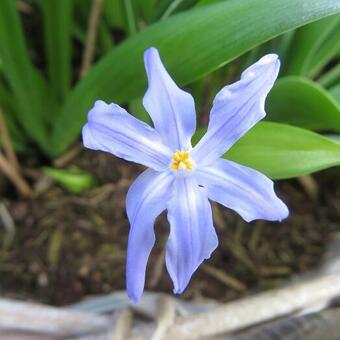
12, 173
91, 37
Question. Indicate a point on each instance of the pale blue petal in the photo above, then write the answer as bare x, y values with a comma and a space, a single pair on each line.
247, 191
236, 109
172, 110
192, 235
146, 199
110, 128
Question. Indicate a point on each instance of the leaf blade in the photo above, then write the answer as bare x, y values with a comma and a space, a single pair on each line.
204, 38
26, 84
302, 102
57, 17
283, 151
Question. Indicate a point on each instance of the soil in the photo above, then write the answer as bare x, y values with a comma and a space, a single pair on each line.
69, 246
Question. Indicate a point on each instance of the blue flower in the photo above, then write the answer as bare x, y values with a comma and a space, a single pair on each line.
179, 178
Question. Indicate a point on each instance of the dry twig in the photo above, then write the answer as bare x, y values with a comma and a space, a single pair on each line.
309, 185
68, 156
10, 166
15, 177
224, 278
91, 36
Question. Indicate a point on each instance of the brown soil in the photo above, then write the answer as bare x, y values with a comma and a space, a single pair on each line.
67, 246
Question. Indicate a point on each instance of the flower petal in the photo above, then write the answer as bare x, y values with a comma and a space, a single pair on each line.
110, 128
146, 199
242, 189
192, 235
172, 110
237, 108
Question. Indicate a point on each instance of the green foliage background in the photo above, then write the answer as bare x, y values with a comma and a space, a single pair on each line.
204, 44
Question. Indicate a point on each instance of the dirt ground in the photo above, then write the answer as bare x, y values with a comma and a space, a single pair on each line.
68, 246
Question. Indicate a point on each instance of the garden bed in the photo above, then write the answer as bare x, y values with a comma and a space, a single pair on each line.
69, 246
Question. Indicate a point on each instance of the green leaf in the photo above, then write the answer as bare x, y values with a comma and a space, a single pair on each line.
282, 151
137, 109
146, 8
57, 17
114, 13
73, 180
335, 93
334, 138
192, 44
26, 84
105, 39
171, 9
302, 102
202, 3
312, 47
331, 77
326, 51
130, 17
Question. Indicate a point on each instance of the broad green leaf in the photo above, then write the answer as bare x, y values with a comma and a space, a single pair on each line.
312, 46
302, 102
137, 109
57, 18
73, 180
26, 84
192, 44
283, 151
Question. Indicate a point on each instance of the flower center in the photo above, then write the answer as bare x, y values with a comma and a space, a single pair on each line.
181, 161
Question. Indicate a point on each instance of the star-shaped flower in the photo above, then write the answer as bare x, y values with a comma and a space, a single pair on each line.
181, 179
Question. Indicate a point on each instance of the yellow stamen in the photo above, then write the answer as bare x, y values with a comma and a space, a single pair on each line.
181, 161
